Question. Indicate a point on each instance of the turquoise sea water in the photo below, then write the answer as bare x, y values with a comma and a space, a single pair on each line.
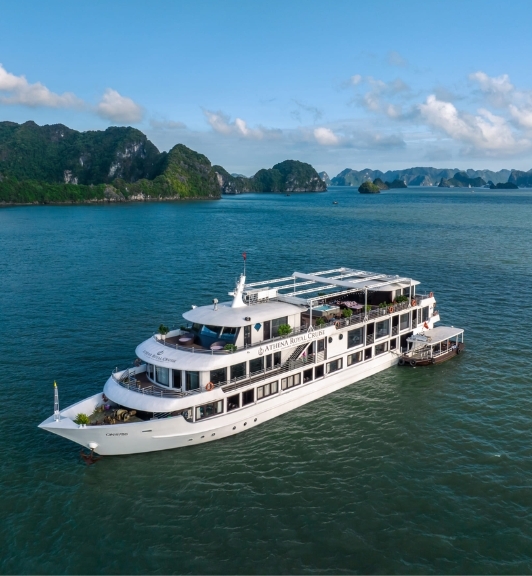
409, 471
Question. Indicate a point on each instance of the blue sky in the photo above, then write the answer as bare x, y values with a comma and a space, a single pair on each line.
380, 84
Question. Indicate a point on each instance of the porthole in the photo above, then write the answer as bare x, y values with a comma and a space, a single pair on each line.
213, 434
245, 423
255, 420
330, 339
203, 436
190, 439
234, 427
340, 337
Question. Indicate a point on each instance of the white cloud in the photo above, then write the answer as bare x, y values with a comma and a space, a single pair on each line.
497, 89
523, 117
18, 90
356, 79
485, 131
326, 137
118, 108
222, 124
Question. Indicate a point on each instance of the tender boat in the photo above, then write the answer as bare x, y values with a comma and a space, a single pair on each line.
275, 346
433, 346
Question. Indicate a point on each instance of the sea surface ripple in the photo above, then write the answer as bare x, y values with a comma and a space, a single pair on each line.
409, 471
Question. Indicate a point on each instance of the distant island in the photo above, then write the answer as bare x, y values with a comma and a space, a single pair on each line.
426, 176
503, 186
55, 164
369, 188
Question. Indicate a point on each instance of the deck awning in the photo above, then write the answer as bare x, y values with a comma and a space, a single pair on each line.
435, 335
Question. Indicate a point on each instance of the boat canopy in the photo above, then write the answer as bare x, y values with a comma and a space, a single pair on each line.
436, 335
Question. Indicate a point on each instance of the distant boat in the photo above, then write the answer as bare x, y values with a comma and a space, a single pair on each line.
335, 202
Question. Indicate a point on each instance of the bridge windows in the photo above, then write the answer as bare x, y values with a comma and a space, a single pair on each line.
208, 410
191, 380
218, 375
162, 376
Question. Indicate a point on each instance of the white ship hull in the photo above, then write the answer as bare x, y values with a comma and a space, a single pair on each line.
176, 432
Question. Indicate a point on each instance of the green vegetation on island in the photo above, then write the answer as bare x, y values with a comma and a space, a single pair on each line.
55, 164
368, 188
504, 186
288, 176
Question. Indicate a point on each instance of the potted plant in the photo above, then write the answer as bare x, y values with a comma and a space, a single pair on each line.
284, 330
320, 321
82, 419
163, 331
347, 312
230, 348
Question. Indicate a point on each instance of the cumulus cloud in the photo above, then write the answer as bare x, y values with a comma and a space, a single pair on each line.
325, 136
117, 108
485, 131
522, 116
498, 89
222, 124
17, 90
379, 98
355, 80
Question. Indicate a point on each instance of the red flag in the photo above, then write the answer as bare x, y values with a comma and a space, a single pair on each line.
244, 255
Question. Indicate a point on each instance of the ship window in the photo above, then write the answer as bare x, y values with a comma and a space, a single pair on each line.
196, 328
334, 366
162, 375
354, 358
276, 323
208, 410
425, 313
229, 334
177, 378
248, 397
187, 414
256, 365
318, 372
367, 354
381, 348
355, 337
233, 402
267, 390
191, 380
269, 362
238, 370
276, 359
405, 321
219, 375
150, 371
307, 375
383, 328
267, 330
393, 344
291, 381
211, 330
321, 345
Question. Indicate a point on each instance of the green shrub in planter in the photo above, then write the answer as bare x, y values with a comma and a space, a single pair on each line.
230, 348
284, 329
347, 312
82, 419
320, 321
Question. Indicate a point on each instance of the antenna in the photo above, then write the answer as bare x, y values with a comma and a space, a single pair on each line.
57, 417
215, 302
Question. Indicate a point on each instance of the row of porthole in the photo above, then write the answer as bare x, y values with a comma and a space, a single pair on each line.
245, 424
214, 433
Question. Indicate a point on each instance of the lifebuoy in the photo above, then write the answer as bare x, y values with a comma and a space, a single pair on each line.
401, 361
413, 302
425, 325
209, 386
431, 294
390, 309
337, 324
458, 350
413, 362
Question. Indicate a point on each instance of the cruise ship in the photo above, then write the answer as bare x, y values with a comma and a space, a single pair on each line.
230, 366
